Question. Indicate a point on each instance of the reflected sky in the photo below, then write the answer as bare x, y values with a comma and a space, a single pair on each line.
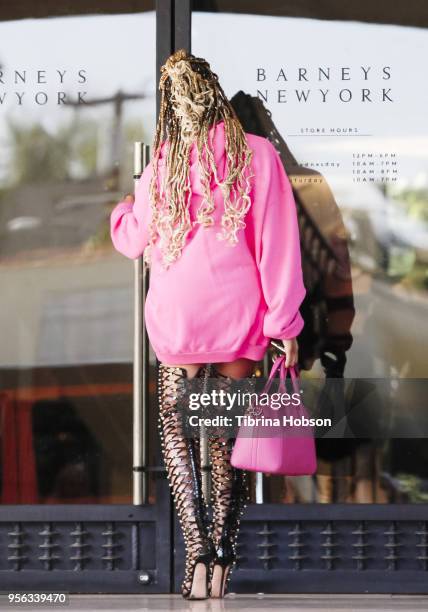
116, 51
253, 42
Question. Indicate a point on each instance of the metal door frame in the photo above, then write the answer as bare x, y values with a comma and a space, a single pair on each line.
87, 548
329, 548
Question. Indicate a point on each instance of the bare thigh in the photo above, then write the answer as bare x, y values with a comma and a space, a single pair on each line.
240, 368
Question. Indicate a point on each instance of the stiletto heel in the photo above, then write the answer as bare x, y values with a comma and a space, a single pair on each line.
200, 577
222, 568
225, 546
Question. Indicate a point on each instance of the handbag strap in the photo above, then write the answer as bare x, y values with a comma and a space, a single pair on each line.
279, 364
276, 365
283, 375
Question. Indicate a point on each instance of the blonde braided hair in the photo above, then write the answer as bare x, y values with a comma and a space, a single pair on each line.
192, 100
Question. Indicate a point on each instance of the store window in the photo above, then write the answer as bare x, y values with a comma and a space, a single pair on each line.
75, 93
341, 96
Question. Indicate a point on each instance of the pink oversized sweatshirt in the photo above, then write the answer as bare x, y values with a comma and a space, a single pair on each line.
218, 302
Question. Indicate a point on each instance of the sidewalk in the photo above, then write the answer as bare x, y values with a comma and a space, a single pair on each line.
289, 603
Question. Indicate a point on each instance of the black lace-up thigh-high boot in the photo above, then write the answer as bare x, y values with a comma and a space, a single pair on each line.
181, 462
229, 498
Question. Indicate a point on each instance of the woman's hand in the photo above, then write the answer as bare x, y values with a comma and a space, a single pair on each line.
128, 198
291, 349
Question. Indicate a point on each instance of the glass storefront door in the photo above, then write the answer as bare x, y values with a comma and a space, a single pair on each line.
338, 91
340, 95
76, 91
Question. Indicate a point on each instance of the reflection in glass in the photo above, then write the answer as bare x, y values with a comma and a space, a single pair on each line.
68, 122
353, 139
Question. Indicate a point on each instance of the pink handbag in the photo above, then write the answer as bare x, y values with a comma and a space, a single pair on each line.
289, 450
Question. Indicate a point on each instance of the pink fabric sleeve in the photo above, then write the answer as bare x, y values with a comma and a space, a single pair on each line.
279, 257
129, 223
